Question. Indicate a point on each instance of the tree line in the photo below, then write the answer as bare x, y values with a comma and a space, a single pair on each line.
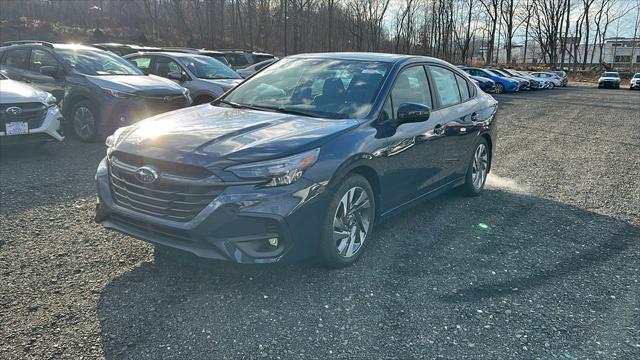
565, 33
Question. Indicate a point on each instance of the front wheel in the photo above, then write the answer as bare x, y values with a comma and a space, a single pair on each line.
478, 169
552, 85
349, 222
84, 119
499, 88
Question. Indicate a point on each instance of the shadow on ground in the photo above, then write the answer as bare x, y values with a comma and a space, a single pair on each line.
503, 273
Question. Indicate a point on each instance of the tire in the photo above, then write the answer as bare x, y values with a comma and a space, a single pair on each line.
344, 237
85, 121
552, 85
499, 88
473, 185
202, 100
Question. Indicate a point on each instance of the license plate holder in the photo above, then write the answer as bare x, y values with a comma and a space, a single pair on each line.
16, 128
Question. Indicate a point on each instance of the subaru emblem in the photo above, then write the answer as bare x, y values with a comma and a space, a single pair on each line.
166, 99
14, 110
146, 174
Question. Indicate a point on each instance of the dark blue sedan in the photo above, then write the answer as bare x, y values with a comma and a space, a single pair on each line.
487, 85
301, 160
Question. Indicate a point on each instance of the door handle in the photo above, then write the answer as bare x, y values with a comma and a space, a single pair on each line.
28, 81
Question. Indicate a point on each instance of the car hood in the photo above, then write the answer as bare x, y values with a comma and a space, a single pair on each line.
212, 133
12, 91
608, 78
226, 84
137, 84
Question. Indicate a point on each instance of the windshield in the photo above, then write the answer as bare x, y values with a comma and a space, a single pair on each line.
611, 74
97, 62
636, 76
204, 67
318, 87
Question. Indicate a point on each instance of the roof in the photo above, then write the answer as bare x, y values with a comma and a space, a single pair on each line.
367, 56
167, 53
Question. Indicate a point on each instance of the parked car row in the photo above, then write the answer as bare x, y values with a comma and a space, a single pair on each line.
611, 79
99, 91
234, 58
501, 80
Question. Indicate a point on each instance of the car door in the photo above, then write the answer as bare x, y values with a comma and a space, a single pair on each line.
14, 63
411, 158
38, 59
458, 102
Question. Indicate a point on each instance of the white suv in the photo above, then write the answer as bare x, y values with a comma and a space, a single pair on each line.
634, 83
27, 114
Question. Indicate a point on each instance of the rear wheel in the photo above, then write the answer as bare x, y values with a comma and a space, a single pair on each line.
478, 169
84, 119
499, 88
551, 85
348, 223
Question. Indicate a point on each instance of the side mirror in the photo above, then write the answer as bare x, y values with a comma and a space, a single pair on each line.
174, 75
49, 71
411, 113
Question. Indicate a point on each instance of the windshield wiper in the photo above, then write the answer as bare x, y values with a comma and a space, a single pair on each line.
288, 111
267, 108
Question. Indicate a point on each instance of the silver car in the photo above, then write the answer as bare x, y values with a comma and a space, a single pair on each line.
205, 77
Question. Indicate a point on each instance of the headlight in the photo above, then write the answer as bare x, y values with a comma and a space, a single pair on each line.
283, 171
49, 100
117, 93
111, 140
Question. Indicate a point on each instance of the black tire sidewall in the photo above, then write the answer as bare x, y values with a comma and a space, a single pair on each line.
87, 104
327, 251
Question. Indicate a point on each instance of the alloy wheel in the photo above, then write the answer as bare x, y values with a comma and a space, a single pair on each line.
84, 122
479, 166
499, 88
351, 222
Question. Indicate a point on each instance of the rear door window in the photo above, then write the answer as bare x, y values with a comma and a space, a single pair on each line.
17, 58
446, 84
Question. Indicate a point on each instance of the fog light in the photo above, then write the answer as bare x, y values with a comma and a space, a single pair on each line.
273, 242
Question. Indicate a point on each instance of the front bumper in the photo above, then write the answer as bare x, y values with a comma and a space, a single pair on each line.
236, 226
635, 85
49, 130
611, 84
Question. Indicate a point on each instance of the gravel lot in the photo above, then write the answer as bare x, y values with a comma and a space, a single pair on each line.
545, 264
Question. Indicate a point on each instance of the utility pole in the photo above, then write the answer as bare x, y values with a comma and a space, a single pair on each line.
285, 27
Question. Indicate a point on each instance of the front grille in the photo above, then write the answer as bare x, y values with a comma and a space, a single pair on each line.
32, 113
159, 104
169, 167
172, 196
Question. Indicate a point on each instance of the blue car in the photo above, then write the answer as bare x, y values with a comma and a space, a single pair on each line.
487, 85
299, 160
503, 84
